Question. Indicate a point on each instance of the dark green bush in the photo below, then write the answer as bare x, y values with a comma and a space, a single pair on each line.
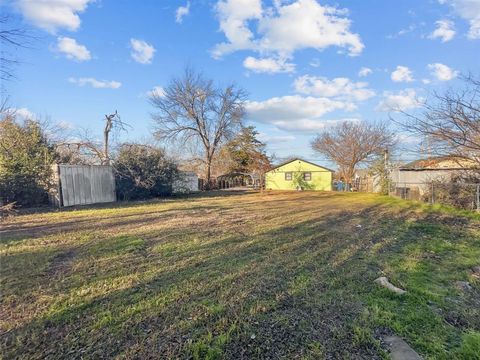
25, 162
143, 172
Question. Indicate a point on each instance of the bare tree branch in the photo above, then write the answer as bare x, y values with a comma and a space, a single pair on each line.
450, 122
11, 37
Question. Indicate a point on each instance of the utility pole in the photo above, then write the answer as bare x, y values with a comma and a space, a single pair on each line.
385, 169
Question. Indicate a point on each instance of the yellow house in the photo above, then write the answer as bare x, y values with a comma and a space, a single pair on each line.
299, 174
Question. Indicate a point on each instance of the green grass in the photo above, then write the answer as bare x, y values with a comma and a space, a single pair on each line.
231, 276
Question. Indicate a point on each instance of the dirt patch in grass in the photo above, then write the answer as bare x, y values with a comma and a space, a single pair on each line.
239, 276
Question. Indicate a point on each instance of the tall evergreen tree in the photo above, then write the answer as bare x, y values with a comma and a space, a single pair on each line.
247, 153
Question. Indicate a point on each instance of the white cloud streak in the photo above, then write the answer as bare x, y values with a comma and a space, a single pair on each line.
181, 12
268, 65
339, 88
97, 84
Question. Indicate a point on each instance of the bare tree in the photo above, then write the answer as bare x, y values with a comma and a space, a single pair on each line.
350, 144
192, 109
450, 122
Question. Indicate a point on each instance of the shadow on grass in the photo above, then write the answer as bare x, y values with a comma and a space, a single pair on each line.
236, 271
298, 289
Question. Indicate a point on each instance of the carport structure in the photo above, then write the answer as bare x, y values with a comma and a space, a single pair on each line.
237, 179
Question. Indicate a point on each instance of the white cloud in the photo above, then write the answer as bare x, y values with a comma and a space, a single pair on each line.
284, 28
72, 50
275, 139
309, 125
98, 84
142, 52
52, 15
445, 30
404, 100
402, 74
181, 12
156, 91
340, 88
364, 71
411, 28
295, 112
442, 72
233, 16
23, 113
470, 11
268, 65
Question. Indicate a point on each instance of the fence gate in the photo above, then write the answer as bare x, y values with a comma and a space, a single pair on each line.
83, 184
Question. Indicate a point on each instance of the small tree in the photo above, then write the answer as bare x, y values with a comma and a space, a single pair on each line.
25, 162
143, 172
247, 154
192, 109
380, 170
350, 144
299, 182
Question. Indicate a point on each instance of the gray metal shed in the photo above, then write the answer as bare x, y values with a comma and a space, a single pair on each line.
83, 184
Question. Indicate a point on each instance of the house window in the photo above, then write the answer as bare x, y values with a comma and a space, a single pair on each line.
307, 176
288, 176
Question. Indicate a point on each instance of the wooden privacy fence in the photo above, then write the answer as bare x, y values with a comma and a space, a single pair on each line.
83, 184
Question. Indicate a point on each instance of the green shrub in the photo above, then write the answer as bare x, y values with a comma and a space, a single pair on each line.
143, 172
25, 162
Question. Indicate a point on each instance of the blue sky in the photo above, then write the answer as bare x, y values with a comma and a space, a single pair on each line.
300, 61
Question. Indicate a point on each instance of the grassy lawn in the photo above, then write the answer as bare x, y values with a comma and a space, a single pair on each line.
240, 276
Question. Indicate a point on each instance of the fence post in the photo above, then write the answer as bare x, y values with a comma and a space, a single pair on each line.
433, 193
478, 197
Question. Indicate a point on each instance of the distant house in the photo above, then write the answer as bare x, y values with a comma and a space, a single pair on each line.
417, 174
298, 174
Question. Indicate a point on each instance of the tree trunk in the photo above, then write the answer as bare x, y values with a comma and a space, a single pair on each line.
106, 160
209, 172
